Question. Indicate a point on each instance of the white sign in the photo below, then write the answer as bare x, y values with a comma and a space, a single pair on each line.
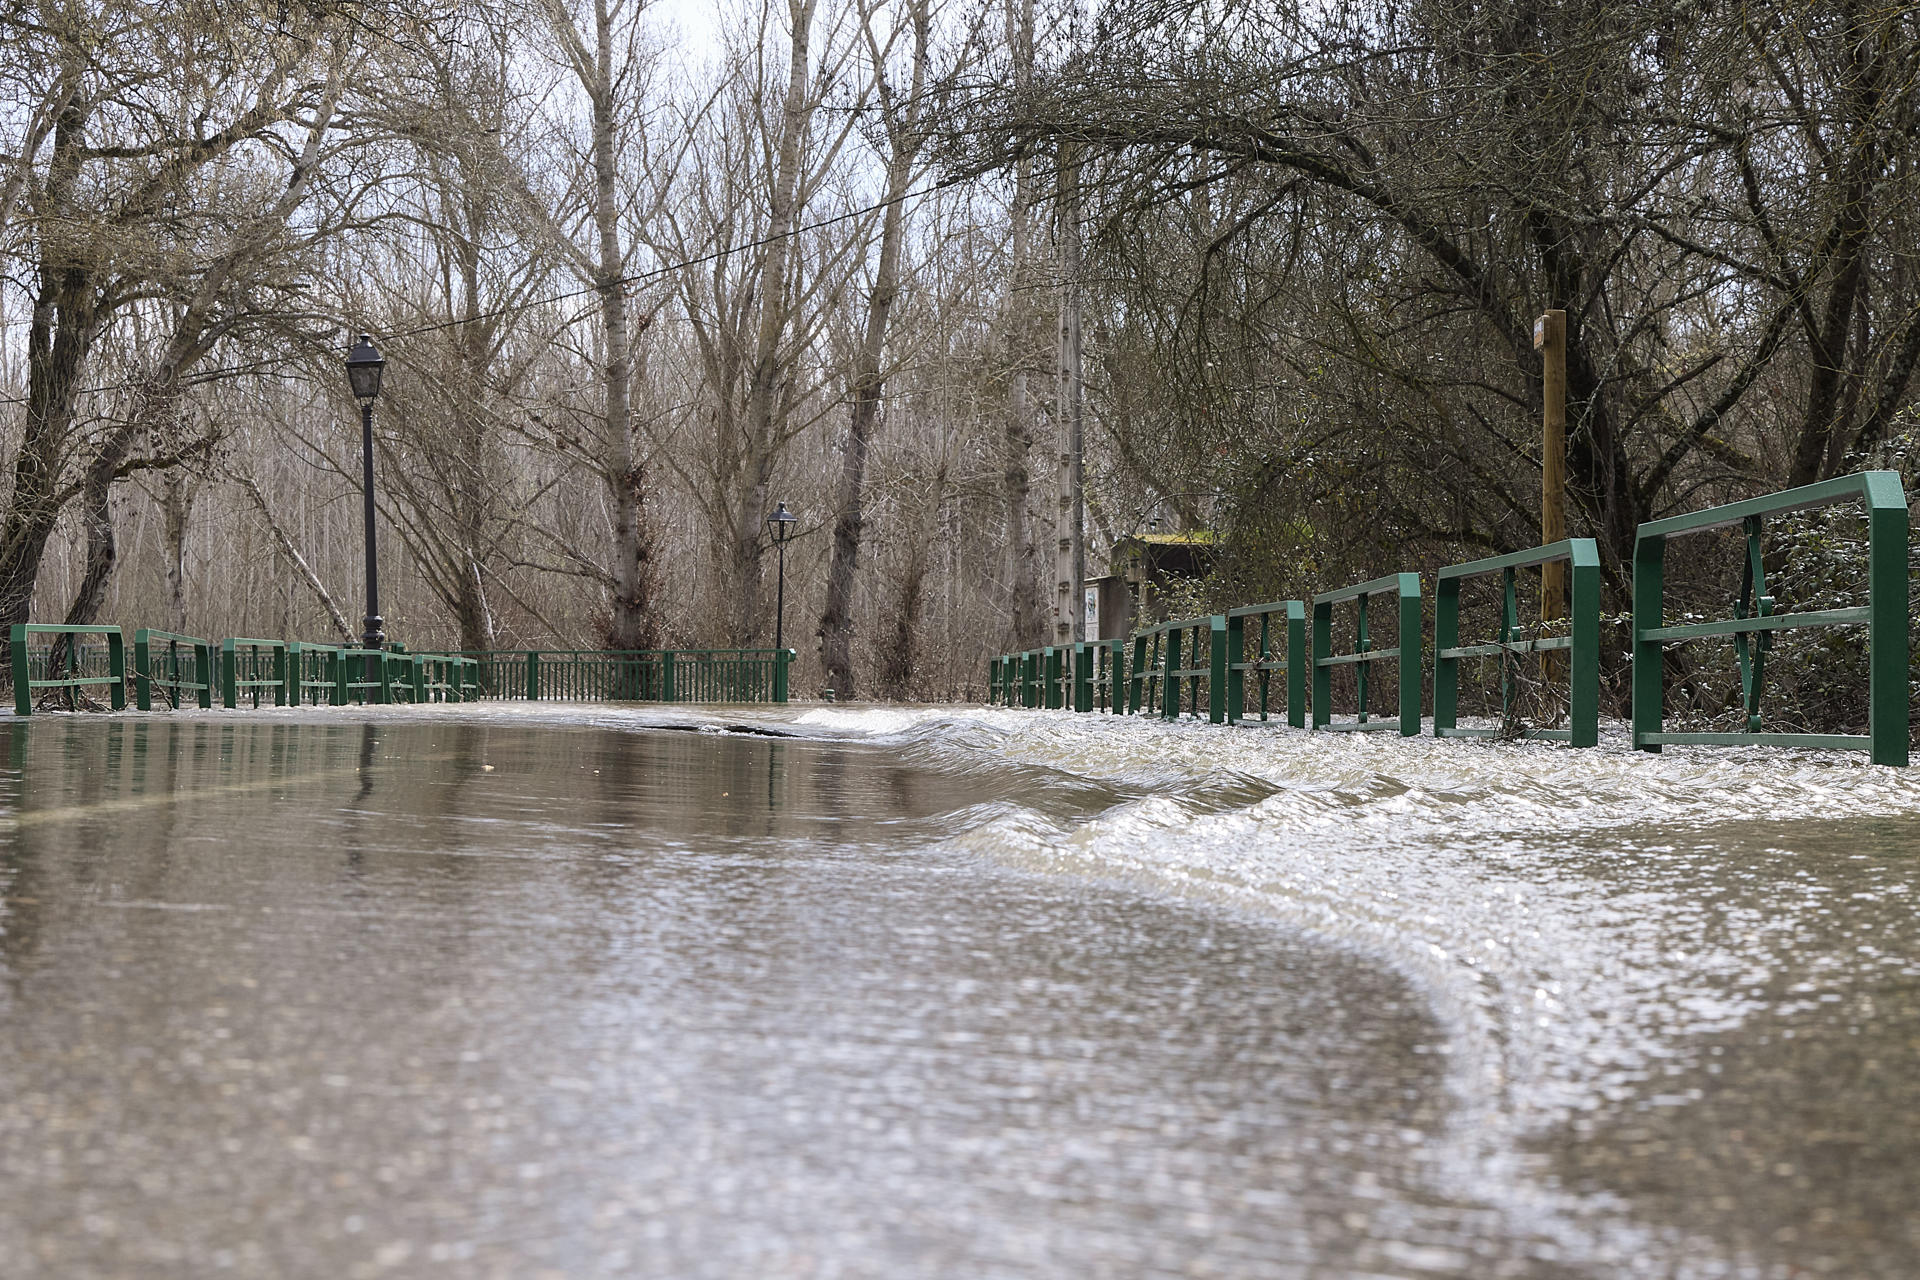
1093, 614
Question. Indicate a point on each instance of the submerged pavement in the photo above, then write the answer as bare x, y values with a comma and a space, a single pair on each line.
512, 991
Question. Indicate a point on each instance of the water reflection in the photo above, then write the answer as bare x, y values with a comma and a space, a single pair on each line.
609, 1002
491, 992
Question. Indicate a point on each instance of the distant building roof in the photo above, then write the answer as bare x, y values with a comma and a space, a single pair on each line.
1192, 538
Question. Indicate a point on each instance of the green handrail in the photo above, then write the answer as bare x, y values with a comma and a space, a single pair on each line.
1268, 664
168, 677
236, 675
1754, 622
24, 683
1406, 654
650, 675
362, 672
1183, 649
312, 673
1582, 646
1106, 684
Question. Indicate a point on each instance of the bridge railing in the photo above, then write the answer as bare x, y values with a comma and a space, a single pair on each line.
363, 676
79, 658
1265, 661
250, 667
1100, 669
175, 665
642, 675
1582, 645
1754, 623
1406, 588
1171, 662
312, 673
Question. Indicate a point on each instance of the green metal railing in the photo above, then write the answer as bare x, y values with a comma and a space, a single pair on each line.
165, 673
90, 656
312, 673
248, 671
445, 677
1754, 622
1183, 653
249, 667
1406, 586
652, 675
1106, 676
1265, 662
1582, 645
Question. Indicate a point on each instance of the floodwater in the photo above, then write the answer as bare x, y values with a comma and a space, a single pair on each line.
490, 991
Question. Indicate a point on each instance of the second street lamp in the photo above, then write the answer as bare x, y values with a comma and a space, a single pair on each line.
781, 523
363, 376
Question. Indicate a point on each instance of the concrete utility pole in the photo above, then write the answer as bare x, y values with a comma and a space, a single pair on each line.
1550, 340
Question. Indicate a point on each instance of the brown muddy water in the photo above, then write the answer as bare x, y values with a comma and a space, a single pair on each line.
574, 992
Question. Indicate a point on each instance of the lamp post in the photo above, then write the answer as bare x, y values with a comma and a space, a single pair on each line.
781, 523
363, 376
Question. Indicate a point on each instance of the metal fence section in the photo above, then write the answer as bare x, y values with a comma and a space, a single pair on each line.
172, 664
78, 659
1406, 587
1582, 646
649, 675
1754, 622
1171, 662
1265, 661
312, 673
1105, 684
250, 667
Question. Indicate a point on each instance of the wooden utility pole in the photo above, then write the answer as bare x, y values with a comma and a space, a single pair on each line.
1550, 340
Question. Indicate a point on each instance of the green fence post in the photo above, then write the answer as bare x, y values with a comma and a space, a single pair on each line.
229, 679
1170, 648
1217, 669
1583, 668
533, 675
1236, 692
1412, 666
1649, 592
117, 668
782, 659
1888, 638
142, 670
22, 674
1322, 675
1298, 664
666, 676
1082, 676
1446, 670
280, 676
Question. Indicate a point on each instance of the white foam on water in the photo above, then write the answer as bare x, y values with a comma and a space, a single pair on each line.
1557, 907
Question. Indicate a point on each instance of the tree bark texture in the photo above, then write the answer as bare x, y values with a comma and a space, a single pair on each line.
869, 381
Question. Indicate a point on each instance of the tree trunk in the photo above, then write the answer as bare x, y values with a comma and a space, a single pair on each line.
176, 505
60, 337
633, 624
1028, 622
836, 619
291, 554
770, 367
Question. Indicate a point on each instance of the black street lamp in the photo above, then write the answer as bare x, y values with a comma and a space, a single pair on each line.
363, 375
781, 522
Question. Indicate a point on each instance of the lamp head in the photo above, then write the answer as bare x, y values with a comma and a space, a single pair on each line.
781, 523
363, 369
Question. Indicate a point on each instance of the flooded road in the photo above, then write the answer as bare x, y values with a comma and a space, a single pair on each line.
545, 990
